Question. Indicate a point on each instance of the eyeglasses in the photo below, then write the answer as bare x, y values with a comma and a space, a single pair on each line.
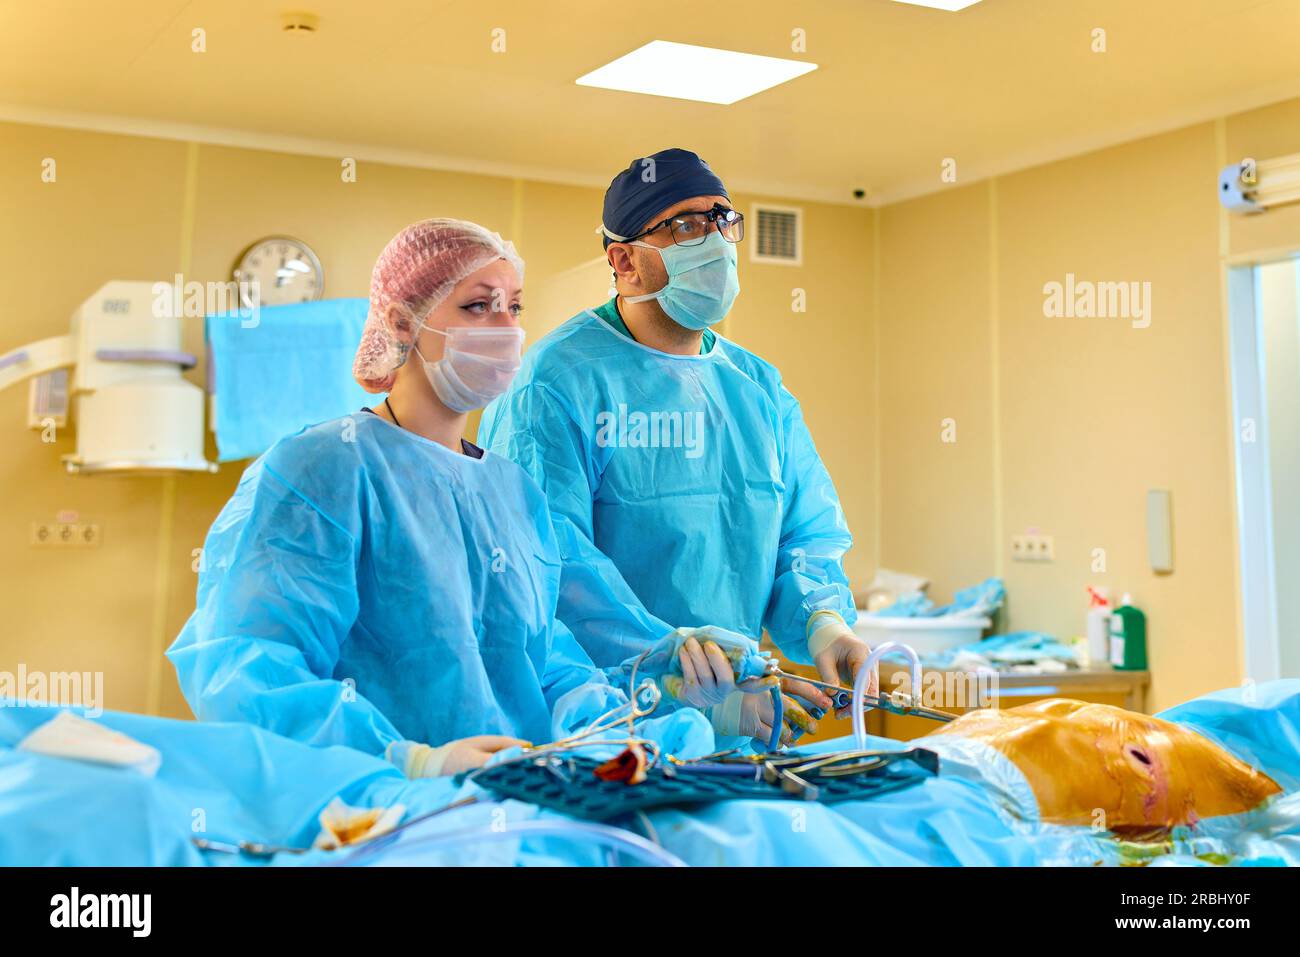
691, 229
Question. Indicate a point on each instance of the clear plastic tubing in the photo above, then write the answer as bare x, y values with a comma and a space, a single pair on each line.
869, 668
633, 845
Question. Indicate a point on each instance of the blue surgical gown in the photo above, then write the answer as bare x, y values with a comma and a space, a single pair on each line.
365, 586
685, 490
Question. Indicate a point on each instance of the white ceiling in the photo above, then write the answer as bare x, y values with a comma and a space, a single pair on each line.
899, 88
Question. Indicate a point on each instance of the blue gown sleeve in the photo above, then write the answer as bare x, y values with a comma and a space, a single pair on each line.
534, 427
567, 666
575, 690
814, 539
277, 596
579, 693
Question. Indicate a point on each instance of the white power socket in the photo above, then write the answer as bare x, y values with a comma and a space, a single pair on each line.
1033, 548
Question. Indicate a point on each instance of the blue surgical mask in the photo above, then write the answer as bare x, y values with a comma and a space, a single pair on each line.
702, 281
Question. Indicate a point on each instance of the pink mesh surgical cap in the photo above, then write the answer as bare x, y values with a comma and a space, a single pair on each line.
419, 268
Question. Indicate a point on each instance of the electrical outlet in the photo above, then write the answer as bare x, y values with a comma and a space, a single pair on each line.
1033, 548
65, 534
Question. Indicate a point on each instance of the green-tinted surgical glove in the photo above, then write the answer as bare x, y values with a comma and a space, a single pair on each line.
707, 676
700, 666
750, 715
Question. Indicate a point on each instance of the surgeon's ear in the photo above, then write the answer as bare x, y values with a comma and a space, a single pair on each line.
400, 323
624, 266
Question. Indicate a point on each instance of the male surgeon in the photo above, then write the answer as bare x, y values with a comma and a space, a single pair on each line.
683, 483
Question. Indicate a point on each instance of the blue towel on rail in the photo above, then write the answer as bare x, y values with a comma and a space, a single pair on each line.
288, 367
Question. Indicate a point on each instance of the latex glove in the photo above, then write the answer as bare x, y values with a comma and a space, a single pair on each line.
464, 754
707, 676
838, 653
750, 715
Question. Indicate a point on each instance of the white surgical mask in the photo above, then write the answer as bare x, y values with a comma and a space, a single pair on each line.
477, 365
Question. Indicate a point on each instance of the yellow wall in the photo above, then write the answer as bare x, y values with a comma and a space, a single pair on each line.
916, 313
1063, 424
825, 353
115, 212
935, 360
137, 208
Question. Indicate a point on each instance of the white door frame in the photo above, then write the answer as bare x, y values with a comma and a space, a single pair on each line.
1253, 476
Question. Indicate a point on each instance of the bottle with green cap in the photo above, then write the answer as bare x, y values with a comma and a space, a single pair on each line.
1128, 637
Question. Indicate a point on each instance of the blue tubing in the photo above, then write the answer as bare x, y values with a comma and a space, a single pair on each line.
778, 718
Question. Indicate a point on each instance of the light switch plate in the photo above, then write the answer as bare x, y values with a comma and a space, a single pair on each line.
1160, 531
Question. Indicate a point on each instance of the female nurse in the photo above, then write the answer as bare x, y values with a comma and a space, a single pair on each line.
376, 581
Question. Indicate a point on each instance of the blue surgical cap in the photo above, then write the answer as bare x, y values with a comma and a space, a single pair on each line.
651, 184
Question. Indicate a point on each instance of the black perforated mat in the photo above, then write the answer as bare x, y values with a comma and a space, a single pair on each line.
565, 782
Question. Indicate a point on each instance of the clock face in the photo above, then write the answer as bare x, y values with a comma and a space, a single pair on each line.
284, 269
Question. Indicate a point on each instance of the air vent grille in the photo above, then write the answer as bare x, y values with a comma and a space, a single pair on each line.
778, 235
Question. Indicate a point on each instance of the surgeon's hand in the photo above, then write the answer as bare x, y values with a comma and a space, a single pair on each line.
463, 754
750, 715
838, 654
707, 675
807, 692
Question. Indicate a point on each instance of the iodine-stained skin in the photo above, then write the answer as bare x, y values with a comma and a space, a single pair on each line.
1140, 771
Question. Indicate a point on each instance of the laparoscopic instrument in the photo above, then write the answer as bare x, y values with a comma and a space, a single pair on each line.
896, 702
858, 701
753, 666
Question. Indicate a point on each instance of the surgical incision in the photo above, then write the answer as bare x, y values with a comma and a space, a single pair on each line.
1096, 764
